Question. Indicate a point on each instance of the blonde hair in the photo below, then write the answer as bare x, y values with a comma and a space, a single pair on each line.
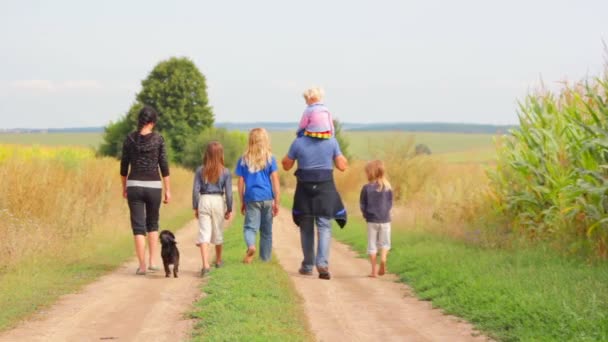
259, 153
376, 173
314, 94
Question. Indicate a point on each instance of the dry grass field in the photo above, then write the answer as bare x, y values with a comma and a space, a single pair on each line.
63, 222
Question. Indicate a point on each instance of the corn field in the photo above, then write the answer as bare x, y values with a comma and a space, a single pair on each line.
551, 176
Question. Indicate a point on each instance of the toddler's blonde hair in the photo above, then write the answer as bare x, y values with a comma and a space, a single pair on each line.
376, 173
259, 153
314, 94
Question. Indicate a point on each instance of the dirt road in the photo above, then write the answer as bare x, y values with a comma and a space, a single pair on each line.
349, 307
353, 307
122, 306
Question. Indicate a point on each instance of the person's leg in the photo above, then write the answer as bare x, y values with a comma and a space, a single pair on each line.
266, 231
324, 233
153, 250
372, 260
152, 199
217, 236
204, 231
250, 228
218, 256
137, 210
140, 251
372, 242
204, 237
204, 247
307, 240
384, 243
383, 256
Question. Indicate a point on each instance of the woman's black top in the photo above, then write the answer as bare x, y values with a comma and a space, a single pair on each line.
145, 154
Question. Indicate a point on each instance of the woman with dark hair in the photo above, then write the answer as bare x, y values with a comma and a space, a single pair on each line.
144, 151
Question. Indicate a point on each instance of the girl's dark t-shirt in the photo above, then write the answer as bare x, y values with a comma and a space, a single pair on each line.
376, 205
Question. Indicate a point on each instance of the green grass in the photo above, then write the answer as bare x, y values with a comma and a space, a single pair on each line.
52, 139
365, 145
36, 284
529, 294
254, 302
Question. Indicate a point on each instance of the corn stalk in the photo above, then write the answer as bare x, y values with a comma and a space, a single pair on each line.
552, 172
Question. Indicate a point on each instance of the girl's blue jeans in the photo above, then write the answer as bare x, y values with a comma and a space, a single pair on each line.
258, 216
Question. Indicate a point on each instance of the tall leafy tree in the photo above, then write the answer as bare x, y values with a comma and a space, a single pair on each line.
178, 90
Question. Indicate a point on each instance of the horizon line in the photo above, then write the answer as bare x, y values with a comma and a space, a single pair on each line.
285, 123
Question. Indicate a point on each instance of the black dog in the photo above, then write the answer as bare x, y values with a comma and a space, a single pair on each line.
169, 252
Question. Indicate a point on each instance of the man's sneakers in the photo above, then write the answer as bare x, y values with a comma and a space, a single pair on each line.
323, 273
304, 272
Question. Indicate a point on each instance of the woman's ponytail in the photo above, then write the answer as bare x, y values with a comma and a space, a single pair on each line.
146, 115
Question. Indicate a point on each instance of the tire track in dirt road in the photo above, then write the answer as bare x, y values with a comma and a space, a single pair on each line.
353, 307
123, 306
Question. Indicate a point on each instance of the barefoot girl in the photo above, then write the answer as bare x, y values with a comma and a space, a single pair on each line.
212, 203
259, 193
376, 201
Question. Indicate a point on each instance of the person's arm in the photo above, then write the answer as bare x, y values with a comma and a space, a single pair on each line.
276, 191
167, 186
339, 160
123, 180
124, 168
241, 188
390, 202
163, 163
196, 191
240, 172
290, 158
363, 202
228, 193
287, 163
341, 163
304, 121
276, 186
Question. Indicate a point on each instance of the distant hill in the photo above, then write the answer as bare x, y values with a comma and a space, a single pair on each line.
440, 127
245, 126
289, 126
53, 130
396, 126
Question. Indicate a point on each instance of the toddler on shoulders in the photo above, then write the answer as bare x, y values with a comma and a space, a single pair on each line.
316, 121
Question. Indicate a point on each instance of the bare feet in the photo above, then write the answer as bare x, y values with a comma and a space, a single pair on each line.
382, 269
371, 275
249, 255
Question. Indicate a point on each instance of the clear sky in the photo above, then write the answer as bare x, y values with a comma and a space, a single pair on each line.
80, 63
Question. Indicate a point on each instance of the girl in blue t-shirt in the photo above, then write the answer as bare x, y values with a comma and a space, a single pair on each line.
258, 187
